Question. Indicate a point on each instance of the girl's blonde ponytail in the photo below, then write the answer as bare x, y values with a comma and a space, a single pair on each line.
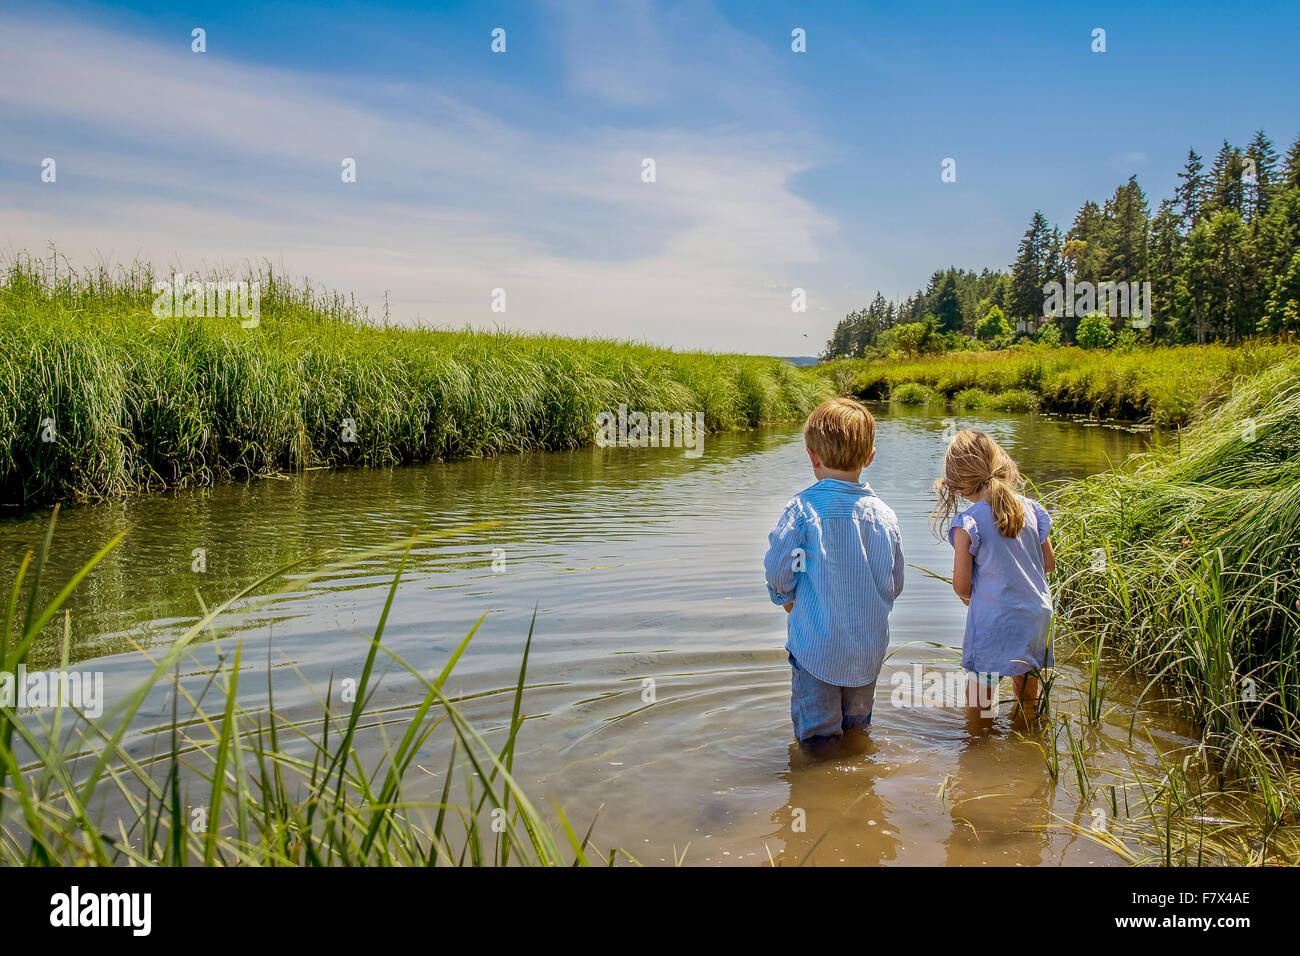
1008, 512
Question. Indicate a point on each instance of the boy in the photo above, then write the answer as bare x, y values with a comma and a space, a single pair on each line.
835, 561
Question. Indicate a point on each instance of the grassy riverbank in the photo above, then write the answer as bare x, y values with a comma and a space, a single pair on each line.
1168, 386
1182, 567
99, 398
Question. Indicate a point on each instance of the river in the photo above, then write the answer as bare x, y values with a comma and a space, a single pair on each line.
644, 565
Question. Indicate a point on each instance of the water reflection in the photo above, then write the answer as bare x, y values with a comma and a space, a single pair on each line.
657, 684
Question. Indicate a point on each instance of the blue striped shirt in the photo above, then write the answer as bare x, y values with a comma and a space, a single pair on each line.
847, 543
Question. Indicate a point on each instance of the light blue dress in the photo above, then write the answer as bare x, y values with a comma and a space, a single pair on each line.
1010, 613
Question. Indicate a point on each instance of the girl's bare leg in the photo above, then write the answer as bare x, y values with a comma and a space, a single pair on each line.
979, 707
1028, 697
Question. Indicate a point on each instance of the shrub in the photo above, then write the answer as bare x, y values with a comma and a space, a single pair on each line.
914, 338
1048, 335
1094, 331
1014, 400
1126, 341
910, 393
992, 325
971, 398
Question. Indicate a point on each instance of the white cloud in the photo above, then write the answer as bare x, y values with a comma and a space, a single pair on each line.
186, 159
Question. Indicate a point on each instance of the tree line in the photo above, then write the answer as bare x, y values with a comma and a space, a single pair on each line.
1222, 257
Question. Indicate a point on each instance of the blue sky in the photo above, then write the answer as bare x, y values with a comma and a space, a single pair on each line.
476, 171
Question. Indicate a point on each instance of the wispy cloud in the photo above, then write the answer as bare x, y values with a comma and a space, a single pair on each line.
187, 159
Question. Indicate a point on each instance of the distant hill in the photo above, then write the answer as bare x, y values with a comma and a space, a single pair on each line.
800, 360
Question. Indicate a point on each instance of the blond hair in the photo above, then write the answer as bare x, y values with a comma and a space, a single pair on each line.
975, 463
842, 433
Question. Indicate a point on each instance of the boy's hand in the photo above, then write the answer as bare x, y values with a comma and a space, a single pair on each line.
790, 607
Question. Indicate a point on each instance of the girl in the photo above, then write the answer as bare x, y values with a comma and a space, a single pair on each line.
1000, 565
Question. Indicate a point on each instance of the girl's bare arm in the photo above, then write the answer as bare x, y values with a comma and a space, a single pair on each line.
961, 564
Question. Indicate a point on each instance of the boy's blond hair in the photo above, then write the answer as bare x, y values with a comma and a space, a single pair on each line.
842, 433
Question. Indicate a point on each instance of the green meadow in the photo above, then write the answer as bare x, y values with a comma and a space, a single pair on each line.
99, 398
1168, 386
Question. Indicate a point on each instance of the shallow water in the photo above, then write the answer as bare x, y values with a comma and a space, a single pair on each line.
642, 564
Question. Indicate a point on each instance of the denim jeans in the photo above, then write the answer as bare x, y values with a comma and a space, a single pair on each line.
819, 709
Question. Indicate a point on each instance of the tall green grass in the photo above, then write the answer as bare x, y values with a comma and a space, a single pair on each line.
138, 402
1185, 565
272, 791
1168, 386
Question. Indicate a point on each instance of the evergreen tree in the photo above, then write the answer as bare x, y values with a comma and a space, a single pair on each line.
1126, 217
947, 307
1283, 313
1264, 158
1165, 254
1191, 194
1291, 167
1277, 234
1222, 256
1087, 239
1218, 278
1226, 190
1027, 278
839, 345
1053, 261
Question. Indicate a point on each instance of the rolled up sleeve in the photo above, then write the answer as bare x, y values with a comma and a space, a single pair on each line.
900, 564
778, 566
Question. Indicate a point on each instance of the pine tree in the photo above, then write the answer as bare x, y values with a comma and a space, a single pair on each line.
1027, 279
1054, 261
1291, 167
1164, 261
1283, 312
1222, 256
1126, 214
1258, 193
1275, 237
1219, 271
1088, 259
1226, 191
1191, 194
840, 342
947, 308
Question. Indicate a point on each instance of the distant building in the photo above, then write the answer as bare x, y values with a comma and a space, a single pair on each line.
1031, 325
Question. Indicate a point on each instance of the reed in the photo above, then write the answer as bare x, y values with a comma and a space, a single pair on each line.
272, 792
1182, 564
99, 398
